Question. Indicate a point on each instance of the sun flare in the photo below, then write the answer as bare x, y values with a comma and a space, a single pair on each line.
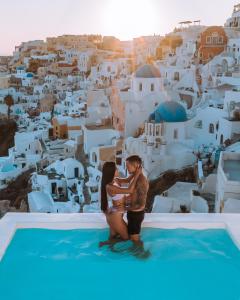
130, 18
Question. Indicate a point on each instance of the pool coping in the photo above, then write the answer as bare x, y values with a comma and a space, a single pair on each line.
13, 221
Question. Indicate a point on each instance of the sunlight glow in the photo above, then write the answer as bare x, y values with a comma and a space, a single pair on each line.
130, 18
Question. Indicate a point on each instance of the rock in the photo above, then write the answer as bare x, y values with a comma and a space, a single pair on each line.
4, 207
7, 132
165, 181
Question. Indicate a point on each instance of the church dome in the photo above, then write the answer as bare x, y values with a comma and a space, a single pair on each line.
169, 111
147, 71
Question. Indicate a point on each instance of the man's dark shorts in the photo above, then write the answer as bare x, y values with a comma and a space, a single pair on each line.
135, 219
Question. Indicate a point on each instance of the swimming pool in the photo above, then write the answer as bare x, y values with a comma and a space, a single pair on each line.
68, 265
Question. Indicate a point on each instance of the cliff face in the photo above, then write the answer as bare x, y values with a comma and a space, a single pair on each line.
167, 180
7, 132
14, 197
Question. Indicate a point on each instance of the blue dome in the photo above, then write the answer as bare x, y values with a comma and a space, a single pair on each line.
30, 75
169, 111
147, 71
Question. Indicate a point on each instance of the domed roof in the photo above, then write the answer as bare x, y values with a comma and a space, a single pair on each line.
29, 75
169, 111
147, 71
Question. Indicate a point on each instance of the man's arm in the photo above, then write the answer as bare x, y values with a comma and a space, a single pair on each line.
113, 189
121, 181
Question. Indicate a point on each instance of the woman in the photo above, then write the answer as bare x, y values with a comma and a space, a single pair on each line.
111, 191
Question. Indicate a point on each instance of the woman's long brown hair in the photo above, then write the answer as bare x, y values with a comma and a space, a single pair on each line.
108, 172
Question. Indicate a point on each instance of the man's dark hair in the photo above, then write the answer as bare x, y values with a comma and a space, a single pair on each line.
134, 159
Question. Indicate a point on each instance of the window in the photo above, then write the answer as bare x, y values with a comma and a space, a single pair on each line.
94, 157
176, 76
215, 40
198, 124
162, 130
76, 172
94, 189
221, 139
152, 87
150, 129
208, 40
140, 87
220, 40
175, 134
53, 187
211, 128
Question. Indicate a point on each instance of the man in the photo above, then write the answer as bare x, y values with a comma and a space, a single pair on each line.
137, 203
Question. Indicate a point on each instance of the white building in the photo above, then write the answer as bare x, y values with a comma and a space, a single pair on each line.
94, 136
85, 60
132, 107
180, 194
234, 20
58, 188
164, 144
228, 180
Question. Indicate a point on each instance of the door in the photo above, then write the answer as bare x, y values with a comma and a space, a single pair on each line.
54, 185
76, 172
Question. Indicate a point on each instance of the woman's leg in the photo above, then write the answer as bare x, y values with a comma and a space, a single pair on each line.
118, 225
113, 233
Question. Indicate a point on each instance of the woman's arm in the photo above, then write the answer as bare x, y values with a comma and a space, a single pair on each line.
113, 190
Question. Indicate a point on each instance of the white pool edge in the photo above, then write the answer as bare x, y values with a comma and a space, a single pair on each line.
13, 221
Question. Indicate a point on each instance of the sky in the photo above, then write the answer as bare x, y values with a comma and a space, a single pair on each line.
24, 20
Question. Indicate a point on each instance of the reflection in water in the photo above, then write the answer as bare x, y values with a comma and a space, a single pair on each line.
132, 248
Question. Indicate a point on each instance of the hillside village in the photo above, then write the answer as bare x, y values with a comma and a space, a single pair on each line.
70, 103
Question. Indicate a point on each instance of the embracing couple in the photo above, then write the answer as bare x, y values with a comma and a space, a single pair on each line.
120, 195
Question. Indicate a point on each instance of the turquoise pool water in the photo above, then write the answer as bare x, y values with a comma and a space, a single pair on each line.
8, 168
68, 265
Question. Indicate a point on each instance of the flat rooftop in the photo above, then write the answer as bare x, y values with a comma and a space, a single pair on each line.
181, 190
232, 169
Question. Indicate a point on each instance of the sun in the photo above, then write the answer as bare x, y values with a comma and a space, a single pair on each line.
130, 18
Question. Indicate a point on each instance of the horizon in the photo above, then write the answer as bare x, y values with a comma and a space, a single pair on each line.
108, 18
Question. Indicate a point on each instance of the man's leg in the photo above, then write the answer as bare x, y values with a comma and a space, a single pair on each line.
135, 220
135, 238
